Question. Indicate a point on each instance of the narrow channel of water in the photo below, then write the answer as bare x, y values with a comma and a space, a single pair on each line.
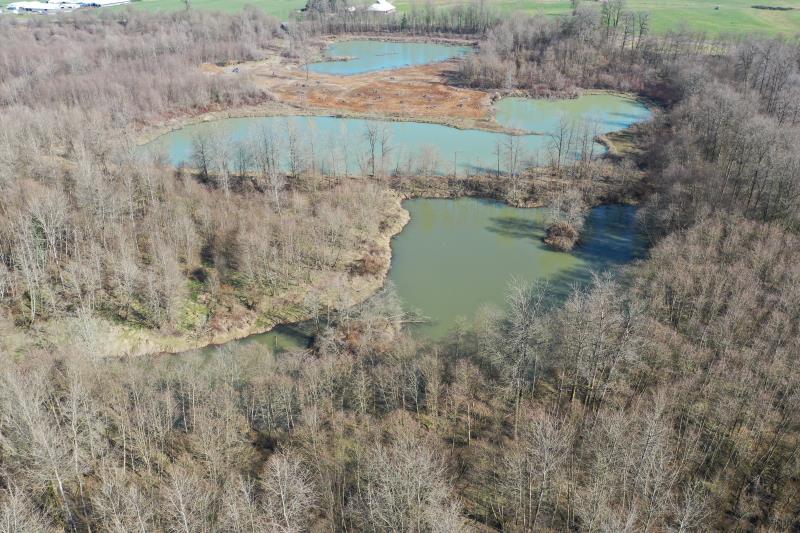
370, 56
280, 339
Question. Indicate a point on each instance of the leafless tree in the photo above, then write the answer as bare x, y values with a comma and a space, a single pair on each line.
18, 514
405, 489
187, 498
289, 493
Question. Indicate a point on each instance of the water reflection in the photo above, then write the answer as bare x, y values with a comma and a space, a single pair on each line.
457, 255
370, 56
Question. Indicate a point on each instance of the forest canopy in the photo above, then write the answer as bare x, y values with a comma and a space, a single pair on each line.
664, 397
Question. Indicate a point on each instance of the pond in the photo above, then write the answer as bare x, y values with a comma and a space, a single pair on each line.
602, 112
370, 56
456, 255
348, 146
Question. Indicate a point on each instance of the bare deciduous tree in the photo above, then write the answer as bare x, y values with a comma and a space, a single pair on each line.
289, 493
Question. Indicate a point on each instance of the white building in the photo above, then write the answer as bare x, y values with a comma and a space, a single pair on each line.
41, 7
382, 6
56, 6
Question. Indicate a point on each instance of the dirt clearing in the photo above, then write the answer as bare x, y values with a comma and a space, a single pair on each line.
420, 92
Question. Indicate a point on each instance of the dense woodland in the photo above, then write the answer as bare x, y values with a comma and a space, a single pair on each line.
662, 398
92, 235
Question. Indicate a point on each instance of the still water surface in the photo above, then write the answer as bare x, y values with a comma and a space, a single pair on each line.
601, 112
339, 146
456, 255
370, 56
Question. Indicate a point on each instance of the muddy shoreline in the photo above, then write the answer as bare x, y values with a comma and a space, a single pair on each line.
420, 93
277, 109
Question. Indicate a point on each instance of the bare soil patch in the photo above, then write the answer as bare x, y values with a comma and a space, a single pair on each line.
419, 92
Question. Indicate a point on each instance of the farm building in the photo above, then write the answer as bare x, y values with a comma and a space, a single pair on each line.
382, 6
41, 7
57, 6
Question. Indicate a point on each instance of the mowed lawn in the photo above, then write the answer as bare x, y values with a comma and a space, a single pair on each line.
281, 9
713, 16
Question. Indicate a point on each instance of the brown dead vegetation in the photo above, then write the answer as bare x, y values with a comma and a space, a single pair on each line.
561, 236
667, 399
420, 92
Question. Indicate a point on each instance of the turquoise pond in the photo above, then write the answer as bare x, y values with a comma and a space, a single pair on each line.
370, 56
339, 146
601, 112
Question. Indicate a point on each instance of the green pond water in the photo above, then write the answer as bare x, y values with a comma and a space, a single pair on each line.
602, 113
340, 146
371, 56
456, 255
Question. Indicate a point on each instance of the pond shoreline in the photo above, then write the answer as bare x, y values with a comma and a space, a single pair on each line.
576, 263
432, 75
284, 110
400, 38
274, 107
384, 278
278, 109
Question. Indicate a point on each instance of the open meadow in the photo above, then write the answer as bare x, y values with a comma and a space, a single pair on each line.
713, 16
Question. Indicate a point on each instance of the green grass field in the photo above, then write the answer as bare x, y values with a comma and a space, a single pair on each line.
277, 8
733, 16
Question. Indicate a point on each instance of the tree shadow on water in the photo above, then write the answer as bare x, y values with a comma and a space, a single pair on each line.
619, 121
629, 116
610, 237
609, 242
604, 248
561, 286
516, 228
